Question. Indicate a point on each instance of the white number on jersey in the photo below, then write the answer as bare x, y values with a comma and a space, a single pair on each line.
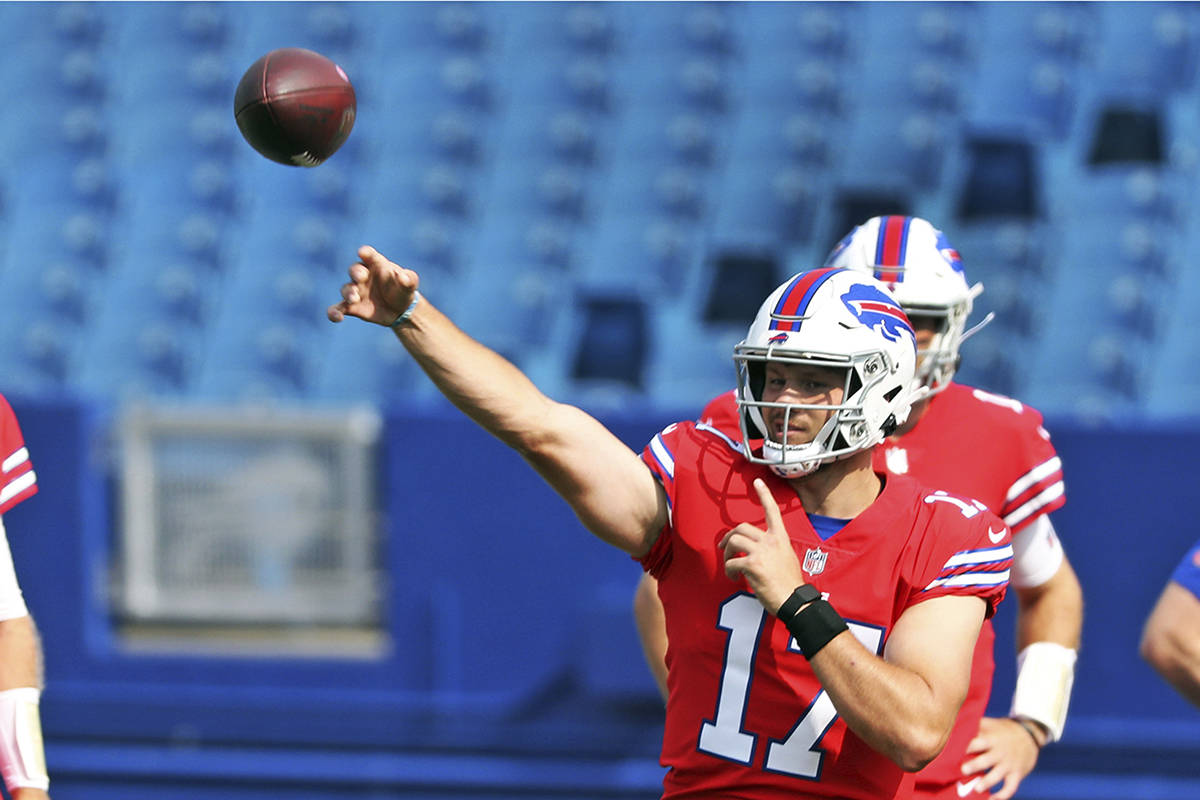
799, 754
968, 508
999, 400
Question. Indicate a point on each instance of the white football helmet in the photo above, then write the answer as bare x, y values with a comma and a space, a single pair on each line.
925, 273
832, 318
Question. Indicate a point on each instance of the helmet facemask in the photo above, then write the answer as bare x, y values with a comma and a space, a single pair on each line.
847, 430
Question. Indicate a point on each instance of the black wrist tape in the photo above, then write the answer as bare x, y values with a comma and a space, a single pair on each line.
815, 626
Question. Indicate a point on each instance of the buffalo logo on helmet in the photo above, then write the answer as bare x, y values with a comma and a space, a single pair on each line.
948, 252
877, 311
779, 338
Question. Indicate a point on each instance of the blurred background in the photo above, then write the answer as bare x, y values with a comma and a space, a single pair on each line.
221, 557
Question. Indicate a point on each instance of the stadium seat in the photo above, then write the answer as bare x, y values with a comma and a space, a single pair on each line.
668, 135
1032, 31
614, 341
566, 28
1033, 98
1125, 135
766, 131
1151, 45
418, 28
693, 28
794, 81
1002, 180
767, 201
565, 81
657, 80
737, 282
653, 256
819, 29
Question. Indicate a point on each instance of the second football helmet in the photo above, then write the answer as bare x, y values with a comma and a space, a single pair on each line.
836, 319
925, 273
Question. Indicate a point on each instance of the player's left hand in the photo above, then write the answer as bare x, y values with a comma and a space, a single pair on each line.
1004, 752
764, 558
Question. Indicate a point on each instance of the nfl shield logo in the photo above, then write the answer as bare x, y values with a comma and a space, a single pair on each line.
897, 460
814, 561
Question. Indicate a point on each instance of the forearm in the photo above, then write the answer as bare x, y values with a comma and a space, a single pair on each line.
1171, 640
651, 628
607, 486
1051, 612
891, 708
20, 654
21, 758
482, 384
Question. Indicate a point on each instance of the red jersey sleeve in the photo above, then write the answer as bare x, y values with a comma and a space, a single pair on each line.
17, 478
973, 554
1037, 487
659, 455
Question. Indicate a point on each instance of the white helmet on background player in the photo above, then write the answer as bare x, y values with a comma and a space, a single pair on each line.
924, 272
830, 318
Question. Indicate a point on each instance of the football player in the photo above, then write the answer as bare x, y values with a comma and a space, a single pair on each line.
21, 756
984, 446
821, 616
1171, 638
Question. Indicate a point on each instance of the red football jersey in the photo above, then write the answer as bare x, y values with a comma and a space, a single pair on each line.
17, 478
993, 449
746, 716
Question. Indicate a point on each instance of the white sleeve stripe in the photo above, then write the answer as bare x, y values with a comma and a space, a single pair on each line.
989, 555
1038, 473
704, 426
663, 456
16, 486
15, 460
971, 579
1022, 513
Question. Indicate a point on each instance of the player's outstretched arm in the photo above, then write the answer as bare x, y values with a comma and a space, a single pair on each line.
904, 704
605, 482
1171, 640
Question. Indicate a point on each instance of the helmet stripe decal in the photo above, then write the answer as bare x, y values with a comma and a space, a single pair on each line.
796, 297
890, 248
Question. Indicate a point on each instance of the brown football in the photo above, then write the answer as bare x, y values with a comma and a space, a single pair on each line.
295, 106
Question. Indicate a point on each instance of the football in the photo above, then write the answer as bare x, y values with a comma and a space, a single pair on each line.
295, 106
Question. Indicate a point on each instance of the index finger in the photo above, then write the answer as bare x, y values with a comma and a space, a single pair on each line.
767, 501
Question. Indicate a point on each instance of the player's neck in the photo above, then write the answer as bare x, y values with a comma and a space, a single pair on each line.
842, 489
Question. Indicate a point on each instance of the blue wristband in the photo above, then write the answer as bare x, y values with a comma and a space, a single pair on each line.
408, 311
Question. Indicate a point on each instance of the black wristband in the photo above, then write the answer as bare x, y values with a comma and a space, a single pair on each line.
804, 593
815, 627
1028, 726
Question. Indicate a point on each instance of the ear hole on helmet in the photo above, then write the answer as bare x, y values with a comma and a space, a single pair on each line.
891, 394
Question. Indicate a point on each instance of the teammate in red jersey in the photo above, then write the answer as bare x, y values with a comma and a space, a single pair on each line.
773, 692
21, 759
980, 445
